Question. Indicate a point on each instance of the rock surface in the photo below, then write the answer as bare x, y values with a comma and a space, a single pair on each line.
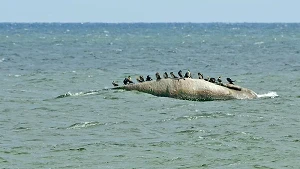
191, 89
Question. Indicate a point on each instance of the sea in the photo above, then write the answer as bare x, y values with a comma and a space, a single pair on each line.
57, 109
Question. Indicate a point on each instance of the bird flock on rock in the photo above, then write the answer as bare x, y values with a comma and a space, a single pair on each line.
140, 79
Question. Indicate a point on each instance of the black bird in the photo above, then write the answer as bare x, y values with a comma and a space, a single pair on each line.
157, 76
200, 75
207, 79
188, 74
230, 81
114, 83
126, 81
219, 79
166, 75
148, 78
172, 75
129, 80
212, 80
180, 74
140, 79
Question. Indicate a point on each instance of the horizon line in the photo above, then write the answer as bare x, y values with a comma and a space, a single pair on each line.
157, 22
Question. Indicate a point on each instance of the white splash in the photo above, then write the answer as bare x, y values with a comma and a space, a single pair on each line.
84, 125
83, 93
258, 43
92, 92
270, 95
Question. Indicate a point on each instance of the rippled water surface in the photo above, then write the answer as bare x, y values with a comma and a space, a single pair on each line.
92, 126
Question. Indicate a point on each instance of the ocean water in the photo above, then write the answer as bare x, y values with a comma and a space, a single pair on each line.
94, 127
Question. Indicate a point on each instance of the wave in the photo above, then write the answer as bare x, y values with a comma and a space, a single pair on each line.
269, 95
258, 43
85, 125
69, 94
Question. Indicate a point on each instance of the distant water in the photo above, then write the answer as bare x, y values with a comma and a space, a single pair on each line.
96, 128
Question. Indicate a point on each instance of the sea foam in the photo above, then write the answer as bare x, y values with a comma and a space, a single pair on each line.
269, 94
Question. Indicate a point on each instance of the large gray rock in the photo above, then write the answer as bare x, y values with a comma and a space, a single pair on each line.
191, 89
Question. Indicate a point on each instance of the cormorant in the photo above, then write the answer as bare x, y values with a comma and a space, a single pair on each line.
140, 79
126, 81
129, 80
172, 75
180, 74
114, 83
200, 75
157, 76
207, 79
166, 75
230, 81
212, 80
219, 79
148, 78
188, 74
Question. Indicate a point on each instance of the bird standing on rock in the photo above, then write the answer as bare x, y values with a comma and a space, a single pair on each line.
212, 80
188, 74
172, 75
148, 78
140, 79
230, 81
166, 75
207, 79
157, 76
180, 74
125, 81
129, 79
114, 83
219, 79
200, 75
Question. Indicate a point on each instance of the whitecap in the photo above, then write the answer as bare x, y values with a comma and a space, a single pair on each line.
258, 43
68, 94
270, 95
14, 75
84, 125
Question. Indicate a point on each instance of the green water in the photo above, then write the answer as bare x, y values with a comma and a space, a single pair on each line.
96, 128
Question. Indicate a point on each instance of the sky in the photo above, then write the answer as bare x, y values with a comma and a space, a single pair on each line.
120, 11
